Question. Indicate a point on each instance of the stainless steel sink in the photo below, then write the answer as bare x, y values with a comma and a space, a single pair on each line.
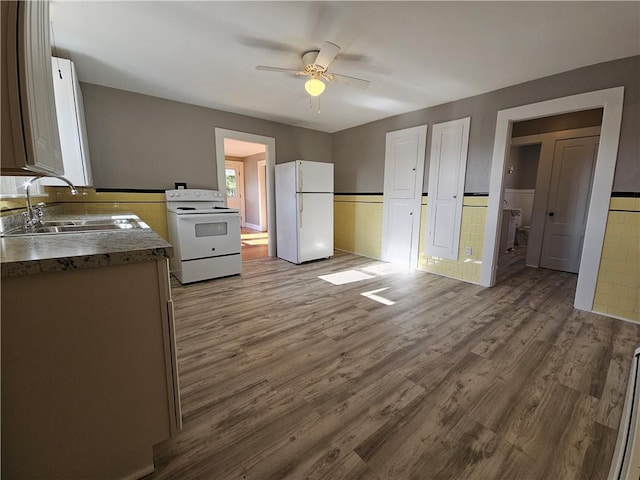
110, 221
81, 228
57, 224
78, 226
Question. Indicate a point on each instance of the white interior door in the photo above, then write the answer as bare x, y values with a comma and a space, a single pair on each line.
447, 168
234, 174
400, 230
403, 174
566, 220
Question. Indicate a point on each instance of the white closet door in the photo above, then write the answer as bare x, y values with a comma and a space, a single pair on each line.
447, 170
403, 174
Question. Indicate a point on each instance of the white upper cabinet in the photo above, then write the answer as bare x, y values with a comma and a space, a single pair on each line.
28, 91
73, 133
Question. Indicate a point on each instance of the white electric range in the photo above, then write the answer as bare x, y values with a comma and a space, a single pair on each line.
205, 235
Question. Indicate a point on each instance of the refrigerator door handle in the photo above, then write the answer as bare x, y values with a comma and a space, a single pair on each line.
301, 208
300, 180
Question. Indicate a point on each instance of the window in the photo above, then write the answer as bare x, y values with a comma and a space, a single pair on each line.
232, 184
13, 187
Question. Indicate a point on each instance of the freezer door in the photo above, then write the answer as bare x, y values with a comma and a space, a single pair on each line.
314, 177
315, 226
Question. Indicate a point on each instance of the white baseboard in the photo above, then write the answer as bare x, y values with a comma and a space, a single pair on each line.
359, 254
253, 226
140, 473
612, 316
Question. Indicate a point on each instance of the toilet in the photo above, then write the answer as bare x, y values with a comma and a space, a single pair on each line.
511, 218
522, 233
522, 236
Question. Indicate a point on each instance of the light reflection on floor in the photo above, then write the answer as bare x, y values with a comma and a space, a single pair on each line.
368, 272
373, 296
348, 276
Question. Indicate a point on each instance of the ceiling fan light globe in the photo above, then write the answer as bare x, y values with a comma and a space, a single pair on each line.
314, 87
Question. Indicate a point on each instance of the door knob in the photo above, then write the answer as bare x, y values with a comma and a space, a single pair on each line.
551, 214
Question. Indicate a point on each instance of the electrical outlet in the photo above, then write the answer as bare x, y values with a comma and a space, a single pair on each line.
468, 251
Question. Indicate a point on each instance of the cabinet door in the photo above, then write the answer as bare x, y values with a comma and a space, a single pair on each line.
69, 111
40, 127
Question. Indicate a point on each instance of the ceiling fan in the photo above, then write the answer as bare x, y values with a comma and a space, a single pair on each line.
316, 64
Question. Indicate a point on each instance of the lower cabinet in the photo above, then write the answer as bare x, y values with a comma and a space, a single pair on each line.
89, 374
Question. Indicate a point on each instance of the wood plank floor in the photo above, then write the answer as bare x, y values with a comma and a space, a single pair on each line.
285, 375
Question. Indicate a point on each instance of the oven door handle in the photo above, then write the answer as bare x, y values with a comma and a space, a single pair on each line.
205, 216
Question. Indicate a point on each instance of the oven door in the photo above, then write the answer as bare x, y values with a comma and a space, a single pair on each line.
207, 235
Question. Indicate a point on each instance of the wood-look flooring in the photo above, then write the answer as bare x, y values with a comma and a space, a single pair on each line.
286, 376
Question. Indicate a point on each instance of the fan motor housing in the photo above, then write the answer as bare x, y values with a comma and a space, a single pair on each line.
308, 59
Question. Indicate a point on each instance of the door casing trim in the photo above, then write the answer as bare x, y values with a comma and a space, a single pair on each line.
611, 100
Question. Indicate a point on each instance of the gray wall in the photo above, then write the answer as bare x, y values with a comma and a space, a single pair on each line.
524, 160
358, 153
142, 142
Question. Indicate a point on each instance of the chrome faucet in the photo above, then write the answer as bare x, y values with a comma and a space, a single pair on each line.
33, 215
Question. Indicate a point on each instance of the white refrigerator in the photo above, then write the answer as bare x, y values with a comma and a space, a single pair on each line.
304, 210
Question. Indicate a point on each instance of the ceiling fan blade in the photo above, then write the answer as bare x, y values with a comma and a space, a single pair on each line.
264, 44
282, 70
327, 53
351, 81
363, 62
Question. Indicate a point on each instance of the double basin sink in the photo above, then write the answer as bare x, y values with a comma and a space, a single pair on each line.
77, 226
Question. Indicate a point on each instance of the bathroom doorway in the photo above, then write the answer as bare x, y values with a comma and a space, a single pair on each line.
547, 187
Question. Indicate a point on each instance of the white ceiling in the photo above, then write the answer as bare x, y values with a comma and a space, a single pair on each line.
416, 54
238, 148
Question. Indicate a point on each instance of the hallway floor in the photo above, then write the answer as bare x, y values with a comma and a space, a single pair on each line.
254, 243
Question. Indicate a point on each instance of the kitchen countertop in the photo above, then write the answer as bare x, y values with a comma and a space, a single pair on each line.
33, 254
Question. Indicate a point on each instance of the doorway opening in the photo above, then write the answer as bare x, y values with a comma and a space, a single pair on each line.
610, 101
547, 186
246, 179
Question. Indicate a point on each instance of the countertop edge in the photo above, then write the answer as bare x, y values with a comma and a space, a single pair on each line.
35, 254
49, 265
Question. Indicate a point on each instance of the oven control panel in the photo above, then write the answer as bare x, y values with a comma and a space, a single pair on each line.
193, 195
